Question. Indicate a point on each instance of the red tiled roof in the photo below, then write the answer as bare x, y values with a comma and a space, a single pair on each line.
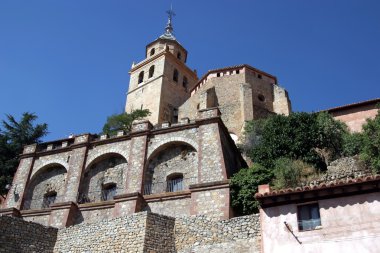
321, 186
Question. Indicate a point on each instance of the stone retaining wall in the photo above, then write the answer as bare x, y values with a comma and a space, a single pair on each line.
17, 235
125, 233
140, 232
201, 234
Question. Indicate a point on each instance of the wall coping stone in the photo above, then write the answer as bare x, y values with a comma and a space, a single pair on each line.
127, 197
63, 205
97, 205
210, 186
167, 196
35, 212
14, 212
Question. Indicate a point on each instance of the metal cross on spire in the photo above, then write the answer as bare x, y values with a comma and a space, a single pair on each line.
169, 27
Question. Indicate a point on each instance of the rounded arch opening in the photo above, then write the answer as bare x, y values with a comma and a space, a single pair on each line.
102, 178
46, 187
152, 51
171, 167
141, 77
151, 71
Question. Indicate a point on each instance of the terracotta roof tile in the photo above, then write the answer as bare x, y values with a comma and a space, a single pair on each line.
316, 187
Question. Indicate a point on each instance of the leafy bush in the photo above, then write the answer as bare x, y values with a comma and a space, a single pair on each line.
291, 173
371, 143
352, 144
244, 185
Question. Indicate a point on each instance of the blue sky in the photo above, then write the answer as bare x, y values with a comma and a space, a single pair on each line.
68, 61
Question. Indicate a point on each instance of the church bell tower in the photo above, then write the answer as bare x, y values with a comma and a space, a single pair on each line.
162, 81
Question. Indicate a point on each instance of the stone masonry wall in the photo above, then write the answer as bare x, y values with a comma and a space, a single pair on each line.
150, 232
17, 235
159, 235
125, 233
202, 234
140, 232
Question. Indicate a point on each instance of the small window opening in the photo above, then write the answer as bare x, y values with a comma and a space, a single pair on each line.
175, 115
259, 76
174, 183
151, 71
218, 74
184, 82
152, 51
141, 77
261, 97
308, 217
108, 191
49, 199
175, 75
237, 71
179, 55
197, 106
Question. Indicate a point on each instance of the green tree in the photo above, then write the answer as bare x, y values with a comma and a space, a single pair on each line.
13, 138
244, 185
123, 121
352, 144
313, 138
370, 151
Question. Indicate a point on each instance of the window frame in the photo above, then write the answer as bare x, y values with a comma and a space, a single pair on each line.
313, 219
175, 182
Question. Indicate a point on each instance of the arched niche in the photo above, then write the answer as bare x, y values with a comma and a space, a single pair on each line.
46, 187
103, 178
169, 160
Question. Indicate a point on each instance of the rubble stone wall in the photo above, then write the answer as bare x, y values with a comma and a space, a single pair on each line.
140, 232
17, 235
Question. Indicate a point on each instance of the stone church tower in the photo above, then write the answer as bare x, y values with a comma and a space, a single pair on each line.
162, 81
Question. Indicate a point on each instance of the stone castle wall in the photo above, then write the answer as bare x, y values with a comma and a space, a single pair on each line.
97, 178
17, 235
240, 96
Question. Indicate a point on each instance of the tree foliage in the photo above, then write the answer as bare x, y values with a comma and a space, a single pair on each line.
123, 121
287, 151
14, 136
282, 147
370, 151
314, 138
244, 185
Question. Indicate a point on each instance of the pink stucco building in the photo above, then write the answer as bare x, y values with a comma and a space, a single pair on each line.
355, 115
336, 217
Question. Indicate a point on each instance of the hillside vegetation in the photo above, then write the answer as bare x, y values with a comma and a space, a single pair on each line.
289, 150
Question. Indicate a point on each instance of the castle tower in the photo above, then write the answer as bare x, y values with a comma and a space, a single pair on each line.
162, 81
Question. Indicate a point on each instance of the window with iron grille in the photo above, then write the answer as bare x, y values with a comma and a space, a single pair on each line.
108, 192
174, 183
49, 199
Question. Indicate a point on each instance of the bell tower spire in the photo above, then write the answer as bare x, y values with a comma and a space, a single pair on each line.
162, 81
169, 26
